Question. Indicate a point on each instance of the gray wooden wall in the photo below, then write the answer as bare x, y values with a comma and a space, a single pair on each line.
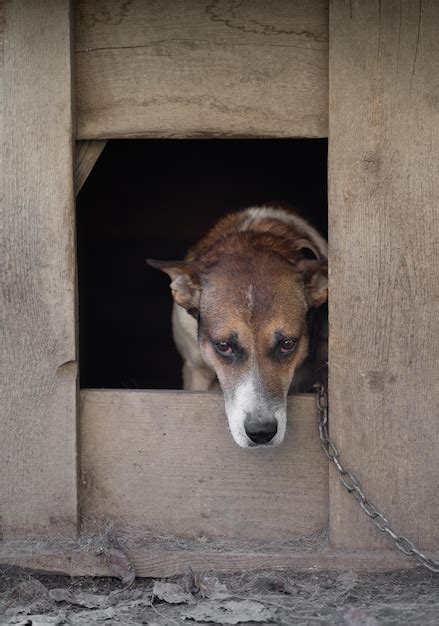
203, 69
191, 68
384, 230
38, 451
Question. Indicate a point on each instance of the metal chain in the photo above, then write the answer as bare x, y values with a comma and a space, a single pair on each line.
349, 481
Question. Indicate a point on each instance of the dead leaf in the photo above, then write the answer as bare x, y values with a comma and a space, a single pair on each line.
30, 590
171, 593
214, 589
29, 596
38, 620
207, 586
229, 612
346, 581
85, 618
88, 600
119, 564
355, 616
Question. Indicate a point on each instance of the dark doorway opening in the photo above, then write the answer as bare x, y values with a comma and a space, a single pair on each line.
155, 198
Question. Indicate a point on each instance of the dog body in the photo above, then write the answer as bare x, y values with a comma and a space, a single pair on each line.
242, 300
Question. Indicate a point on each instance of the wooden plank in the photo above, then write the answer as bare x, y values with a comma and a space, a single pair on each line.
2, 30
384, 191
38, 483
156, 561
190, 68
87, 153
165, 462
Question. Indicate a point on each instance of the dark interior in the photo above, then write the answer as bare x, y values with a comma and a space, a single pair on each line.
154, 199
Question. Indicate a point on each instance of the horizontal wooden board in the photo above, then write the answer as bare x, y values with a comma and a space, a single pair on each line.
195, 68
155, 561
166, 462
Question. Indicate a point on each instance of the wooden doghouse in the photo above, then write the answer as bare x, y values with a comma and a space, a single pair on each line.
196, 68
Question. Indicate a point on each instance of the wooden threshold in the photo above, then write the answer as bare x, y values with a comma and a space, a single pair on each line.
158, 561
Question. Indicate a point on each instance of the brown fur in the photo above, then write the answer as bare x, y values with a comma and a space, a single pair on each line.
270, 260
226, 236
249, 283
277, 305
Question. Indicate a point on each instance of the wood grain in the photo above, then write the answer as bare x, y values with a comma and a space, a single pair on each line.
192, 68
156, 562
383, 215
38, 469
165, 462
87, 153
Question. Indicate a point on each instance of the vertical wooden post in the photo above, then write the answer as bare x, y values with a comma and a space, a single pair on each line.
38, 456
384, 198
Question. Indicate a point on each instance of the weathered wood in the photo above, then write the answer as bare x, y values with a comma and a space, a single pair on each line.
195, 68
165, 461
2, 30
87, 153
157, 561
38, 470
383, 215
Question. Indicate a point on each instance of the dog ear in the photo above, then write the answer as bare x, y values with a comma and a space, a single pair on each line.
185, 285
315, 277
314, 271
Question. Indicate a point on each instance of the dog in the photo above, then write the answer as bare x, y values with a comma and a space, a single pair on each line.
243, 299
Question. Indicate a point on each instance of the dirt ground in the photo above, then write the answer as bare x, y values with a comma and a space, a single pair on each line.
410, 597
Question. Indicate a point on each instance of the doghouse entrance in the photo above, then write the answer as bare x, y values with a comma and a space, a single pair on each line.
155, 198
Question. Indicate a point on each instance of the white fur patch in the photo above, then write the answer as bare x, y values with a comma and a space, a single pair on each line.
184, 328
248, 398
249, 297
255, 214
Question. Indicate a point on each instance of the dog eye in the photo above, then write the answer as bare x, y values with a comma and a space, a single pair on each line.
223, 347
287, 345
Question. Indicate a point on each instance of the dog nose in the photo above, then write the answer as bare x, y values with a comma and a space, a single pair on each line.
260, 431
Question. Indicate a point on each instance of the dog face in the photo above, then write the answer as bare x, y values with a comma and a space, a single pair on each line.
252, 331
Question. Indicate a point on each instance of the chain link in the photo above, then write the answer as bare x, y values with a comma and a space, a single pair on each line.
351, 484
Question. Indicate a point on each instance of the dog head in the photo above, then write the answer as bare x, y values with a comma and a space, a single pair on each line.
252, 328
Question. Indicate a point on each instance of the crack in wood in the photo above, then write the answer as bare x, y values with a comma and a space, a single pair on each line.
257, 27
